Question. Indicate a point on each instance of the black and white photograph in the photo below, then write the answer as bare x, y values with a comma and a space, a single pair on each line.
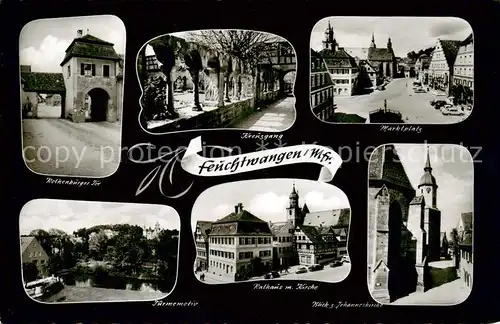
82, 251
420, 224
403, 70
271, 229
209, 79
71, 75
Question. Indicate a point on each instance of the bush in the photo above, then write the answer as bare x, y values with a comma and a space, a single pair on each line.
154, 100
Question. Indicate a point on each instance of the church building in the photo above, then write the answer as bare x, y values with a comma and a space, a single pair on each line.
403, 225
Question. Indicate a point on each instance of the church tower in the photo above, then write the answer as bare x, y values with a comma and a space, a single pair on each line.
428, 186
389, 44
372, 45
432, 215
293, 212
330, 43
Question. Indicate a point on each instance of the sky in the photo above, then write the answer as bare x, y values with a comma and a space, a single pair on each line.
407, 33
69, 215
453, 169
43, 42
266, 198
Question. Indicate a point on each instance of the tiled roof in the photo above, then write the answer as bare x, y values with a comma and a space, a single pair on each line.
466, 239
450, 50
43, 82
242, 222
92, 47
327, 218
25, 242
281, 228
385, 164
417, 200
338, 59
205, 227
315, 234
467, 221
467, 41
380, 54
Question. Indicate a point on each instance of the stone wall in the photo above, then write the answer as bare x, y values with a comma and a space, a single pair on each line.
220, 117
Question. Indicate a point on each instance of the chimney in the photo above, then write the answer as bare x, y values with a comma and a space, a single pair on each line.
79, 33
240, 205
236, 208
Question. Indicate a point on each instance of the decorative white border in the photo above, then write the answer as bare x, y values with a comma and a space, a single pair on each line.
395, 124
275, 280
107, 301
214, 129
73, 73
368, 227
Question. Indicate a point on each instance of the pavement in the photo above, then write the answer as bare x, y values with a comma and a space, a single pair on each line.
54, 146
276, 117
451, 293
328, 274
415, 107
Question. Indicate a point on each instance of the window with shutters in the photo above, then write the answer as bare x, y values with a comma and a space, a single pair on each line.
87, 69
105, 70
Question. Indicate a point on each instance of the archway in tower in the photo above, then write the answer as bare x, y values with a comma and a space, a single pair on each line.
97, 105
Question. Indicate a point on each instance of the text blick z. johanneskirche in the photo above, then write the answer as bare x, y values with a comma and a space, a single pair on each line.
230, 245
404, 226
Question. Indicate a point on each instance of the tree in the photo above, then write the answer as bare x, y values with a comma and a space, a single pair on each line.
129, 250
98, 245
30, 272
166, 249
195, 65
454, 244
44, 238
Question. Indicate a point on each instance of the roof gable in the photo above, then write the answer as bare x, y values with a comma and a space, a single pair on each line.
466, 221
43, 82
450, 50
281, 228
386, 165
25, 242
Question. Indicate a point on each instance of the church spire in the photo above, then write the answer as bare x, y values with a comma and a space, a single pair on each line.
373, 41
389, 43
428, 167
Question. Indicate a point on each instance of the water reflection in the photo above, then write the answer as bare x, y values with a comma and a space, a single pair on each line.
105, 280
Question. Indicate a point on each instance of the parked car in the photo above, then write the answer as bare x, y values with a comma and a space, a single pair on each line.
440, 103
268, 276
316, 267
345, 259
301, 270
337, 263
381, 87
451, 110
419, 90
